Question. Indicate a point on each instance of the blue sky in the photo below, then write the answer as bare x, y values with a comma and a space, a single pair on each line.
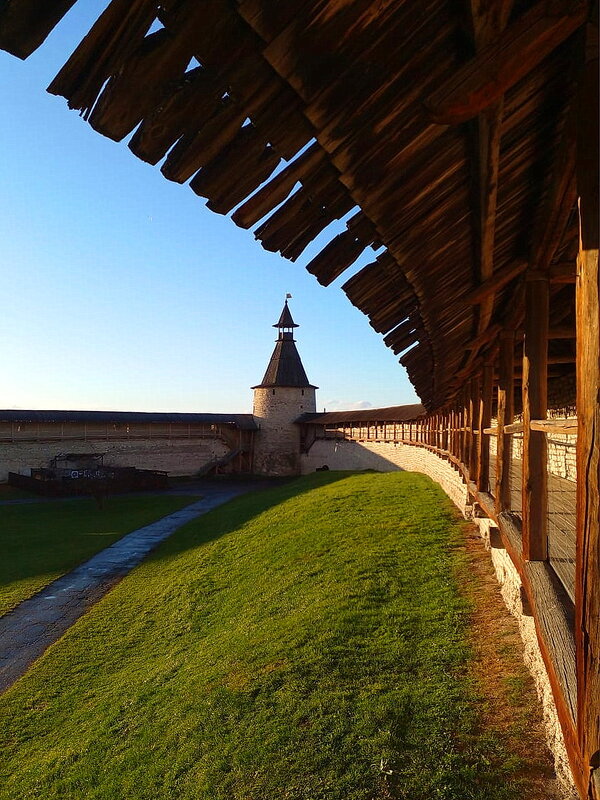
122, 291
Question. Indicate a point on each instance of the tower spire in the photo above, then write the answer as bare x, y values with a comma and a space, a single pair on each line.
285, 367
285, 322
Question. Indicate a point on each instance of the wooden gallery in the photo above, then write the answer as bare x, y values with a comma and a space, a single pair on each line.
463, 138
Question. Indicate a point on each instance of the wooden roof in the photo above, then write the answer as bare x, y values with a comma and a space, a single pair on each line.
241, 421
442, 126
370, 415
285, 366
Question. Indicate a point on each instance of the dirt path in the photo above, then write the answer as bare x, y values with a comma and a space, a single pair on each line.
510, 704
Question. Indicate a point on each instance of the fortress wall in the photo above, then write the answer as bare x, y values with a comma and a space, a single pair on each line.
177, 457
386, 457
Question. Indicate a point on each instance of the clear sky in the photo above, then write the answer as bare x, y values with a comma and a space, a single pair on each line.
122, 291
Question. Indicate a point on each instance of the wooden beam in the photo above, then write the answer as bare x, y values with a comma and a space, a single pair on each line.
562, 332
489, 18
481, 340
514, 427
555, 425
506, 391
568, 359
496, 282
481, 82
563, 272
535, 401
485, 416
587, 581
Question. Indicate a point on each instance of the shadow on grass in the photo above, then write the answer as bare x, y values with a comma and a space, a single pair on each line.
39, 550
42, 541
242, 509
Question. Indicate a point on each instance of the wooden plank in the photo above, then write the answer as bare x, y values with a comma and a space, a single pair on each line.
521, 47
142, 83
506, 393
198, 147
485, 415
587, 586
114, 36
279, 187
343, 250
193, 100
237, 170
401, 337
535, 402
25, 24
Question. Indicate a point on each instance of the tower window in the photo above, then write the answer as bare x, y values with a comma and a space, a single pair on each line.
302, 392
273, 391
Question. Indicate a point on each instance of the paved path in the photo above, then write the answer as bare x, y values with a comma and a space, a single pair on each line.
36, 623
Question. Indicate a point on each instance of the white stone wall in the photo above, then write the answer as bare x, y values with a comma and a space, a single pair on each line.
277, 443
387, 457
175, 456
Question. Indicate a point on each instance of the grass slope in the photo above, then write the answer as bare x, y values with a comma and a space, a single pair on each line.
305, 643
40, 541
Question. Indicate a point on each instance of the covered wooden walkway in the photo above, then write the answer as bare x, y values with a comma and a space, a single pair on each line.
460, 137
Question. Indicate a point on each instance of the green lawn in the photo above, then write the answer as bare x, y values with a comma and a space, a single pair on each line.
306, 643
40, 541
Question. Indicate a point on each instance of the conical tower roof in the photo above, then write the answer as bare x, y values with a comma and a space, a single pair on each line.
285, 366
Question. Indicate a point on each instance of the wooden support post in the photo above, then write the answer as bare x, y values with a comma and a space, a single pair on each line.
466, 424
474, 453
457, 432
485, 418
587, 584
506, 398
535, 393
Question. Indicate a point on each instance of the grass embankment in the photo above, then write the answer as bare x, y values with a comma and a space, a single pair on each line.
307, 643
40, 541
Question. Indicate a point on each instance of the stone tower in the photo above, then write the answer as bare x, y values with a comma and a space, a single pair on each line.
280, 398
